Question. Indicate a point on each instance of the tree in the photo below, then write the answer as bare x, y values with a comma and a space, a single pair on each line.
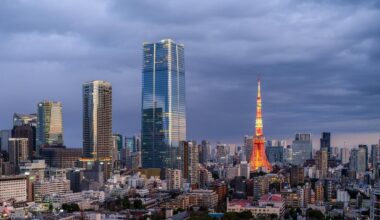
138, 204
71, 207
316, 214
245, 215
126, 204
231, 216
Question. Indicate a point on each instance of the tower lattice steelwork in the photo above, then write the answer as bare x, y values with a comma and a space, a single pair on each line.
259, 161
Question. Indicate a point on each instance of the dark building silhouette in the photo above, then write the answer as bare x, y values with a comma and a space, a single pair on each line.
326, 142
25, 131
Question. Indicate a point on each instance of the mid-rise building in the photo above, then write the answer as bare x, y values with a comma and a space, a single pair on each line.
48, 187
244, 169
174, 179
319, 192
18, 150
302, 148
25, 131
35, 170
4, 137
13, 187
203, 198
61, 157
275, 154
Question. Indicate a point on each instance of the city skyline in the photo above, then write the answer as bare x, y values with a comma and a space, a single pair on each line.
316, 81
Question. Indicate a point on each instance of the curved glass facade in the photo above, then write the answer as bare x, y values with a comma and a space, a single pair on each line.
163, 103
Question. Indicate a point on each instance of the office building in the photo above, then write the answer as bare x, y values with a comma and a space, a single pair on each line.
302, 148
275, 154
97, 120
25, 131
61, 157
163, 103
326, 143
49, 124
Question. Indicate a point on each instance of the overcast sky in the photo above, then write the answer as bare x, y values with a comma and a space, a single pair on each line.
319, 62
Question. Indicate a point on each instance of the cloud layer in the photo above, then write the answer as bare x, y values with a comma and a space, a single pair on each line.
318, 60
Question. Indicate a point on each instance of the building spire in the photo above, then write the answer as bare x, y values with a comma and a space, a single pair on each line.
259, 118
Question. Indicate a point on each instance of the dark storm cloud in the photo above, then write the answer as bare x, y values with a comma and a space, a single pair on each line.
318, 60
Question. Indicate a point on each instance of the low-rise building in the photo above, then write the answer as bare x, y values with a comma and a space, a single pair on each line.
268, 205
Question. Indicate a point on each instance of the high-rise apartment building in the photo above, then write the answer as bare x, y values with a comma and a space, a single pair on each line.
97, 120
163, 103
302, 148
49, 124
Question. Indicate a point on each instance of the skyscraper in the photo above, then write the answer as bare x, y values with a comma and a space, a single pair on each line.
302, 148
49, 124
97, 120
163, 103
326, 142
259, 159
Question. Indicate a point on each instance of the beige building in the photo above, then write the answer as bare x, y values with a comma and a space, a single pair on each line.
13, 187
203, 197
174, 179
44, 188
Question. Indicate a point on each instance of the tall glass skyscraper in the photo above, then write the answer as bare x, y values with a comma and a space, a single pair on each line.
97, 120
163, 103
49, 124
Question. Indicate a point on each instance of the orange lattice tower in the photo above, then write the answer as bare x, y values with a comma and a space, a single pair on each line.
259, 160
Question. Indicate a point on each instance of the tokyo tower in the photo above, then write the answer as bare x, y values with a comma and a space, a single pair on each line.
259, 160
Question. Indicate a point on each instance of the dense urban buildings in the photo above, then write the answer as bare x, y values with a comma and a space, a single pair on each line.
160, 173
163, 103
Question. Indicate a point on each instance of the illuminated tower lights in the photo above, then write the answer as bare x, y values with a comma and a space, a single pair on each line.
259, 161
